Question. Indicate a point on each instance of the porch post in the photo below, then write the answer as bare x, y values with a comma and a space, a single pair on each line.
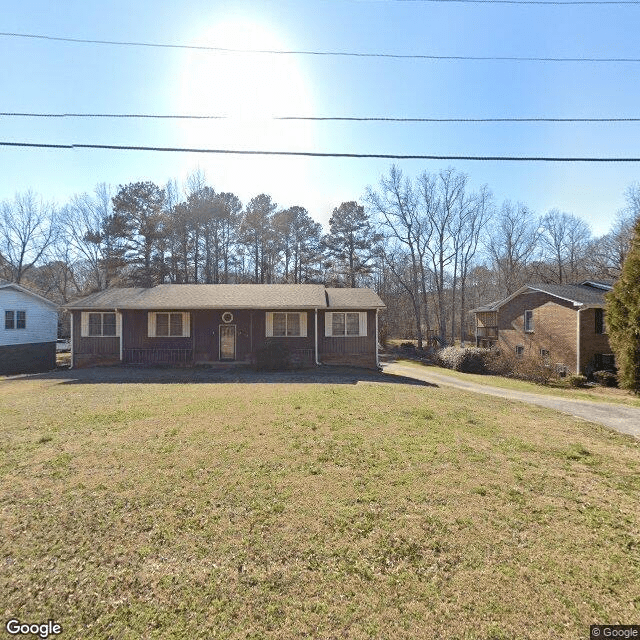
377, 355
72, 354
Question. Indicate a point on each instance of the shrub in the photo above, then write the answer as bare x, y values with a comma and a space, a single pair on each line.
530, 368
274, 356
577, 380
606, 378
469, 360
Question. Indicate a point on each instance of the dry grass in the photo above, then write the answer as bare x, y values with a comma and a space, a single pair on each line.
318, 511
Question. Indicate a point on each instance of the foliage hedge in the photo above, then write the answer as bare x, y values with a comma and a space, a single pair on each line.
274, 356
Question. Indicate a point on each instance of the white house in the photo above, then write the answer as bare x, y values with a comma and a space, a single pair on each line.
28, 330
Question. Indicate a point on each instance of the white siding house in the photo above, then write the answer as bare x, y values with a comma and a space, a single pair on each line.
28, 330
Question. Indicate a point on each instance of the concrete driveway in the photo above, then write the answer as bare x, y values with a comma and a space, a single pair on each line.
619, 417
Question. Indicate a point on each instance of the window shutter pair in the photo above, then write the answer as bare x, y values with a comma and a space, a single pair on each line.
269, 324
328, 323
84, 323
151, 324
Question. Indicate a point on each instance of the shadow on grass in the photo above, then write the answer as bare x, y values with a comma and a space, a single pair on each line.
126, 374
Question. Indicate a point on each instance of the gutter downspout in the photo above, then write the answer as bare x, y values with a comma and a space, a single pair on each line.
578, 341
316, 337
72, 354
377, 334
120, 323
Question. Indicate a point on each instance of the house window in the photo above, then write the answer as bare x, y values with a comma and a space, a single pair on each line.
544, 353
168, 324
280, 324
98, 324
346, 323
528, 321
15, 319
600, 326
519, 350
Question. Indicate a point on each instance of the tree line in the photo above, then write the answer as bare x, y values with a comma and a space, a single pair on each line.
430, 245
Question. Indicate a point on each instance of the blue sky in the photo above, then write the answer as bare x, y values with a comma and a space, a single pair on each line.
45, 76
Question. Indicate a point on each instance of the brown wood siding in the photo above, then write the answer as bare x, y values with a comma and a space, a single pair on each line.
359, 351
92, 350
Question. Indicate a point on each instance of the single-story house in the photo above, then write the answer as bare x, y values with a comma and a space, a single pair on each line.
28, 330
561, 323
192, 324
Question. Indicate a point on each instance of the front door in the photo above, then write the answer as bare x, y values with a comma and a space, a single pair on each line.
227, 342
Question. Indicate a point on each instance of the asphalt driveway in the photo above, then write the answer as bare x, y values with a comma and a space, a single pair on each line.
619, 417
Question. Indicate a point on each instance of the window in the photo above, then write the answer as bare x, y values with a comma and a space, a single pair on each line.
544, 353
99, 324
600, 326
15, 319
528, 321
604, 361
168, 325
280, 324
345, 323
519, 350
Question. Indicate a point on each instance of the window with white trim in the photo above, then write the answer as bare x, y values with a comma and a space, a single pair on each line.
281, 324
345, 324
168, 324
15, 319
98, 324
528, 321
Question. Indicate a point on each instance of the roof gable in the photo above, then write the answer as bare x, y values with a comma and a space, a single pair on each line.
16, 287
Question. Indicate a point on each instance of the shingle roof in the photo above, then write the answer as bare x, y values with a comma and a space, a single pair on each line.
580, 294
353, 299
230, 296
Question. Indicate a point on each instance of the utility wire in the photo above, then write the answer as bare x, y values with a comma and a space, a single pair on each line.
304, 118
315, 154
396, 56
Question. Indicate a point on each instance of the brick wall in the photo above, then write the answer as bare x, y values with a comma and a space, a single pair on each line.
27, 358
555, 329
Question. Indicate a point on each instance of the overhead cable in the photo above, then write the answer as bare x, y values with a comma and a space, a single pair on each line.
303, 118
396, 56
317, 154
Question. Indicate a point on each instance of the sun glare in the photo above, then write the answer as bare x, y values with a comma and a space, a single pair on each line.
250, 89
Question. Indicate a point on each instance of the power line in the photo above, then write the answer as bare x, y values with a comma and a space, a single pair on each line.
305, 118
352, 54
316, 154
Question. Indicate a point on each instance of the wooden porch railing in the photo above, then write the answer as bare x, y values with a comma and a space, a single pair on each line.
487, 332
158, 356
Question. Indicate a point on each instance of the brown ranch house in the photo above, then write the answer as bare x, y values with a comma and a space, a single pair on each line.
561, 323
191, 324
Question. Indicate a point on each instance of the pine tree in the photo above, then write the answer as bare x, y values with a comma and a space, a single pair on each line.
623, 317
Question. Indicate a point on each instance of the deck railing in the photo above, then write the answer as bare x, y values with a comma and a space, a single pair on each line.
487, 332
158, 356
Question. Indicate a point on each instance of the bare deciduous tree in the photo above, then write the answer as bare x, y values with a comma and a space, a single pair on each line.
28, 228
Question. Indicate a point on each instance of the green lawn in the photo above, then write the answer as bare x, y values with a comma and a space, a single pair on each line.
311, 511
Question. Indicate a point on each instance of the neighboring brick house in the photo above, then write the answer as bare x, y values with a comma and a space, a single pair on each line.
28, 330
191, 324
562, 323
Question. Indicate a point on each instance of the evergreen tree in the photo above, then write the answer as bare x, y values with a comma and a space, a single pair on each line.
352, 242
623, 317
